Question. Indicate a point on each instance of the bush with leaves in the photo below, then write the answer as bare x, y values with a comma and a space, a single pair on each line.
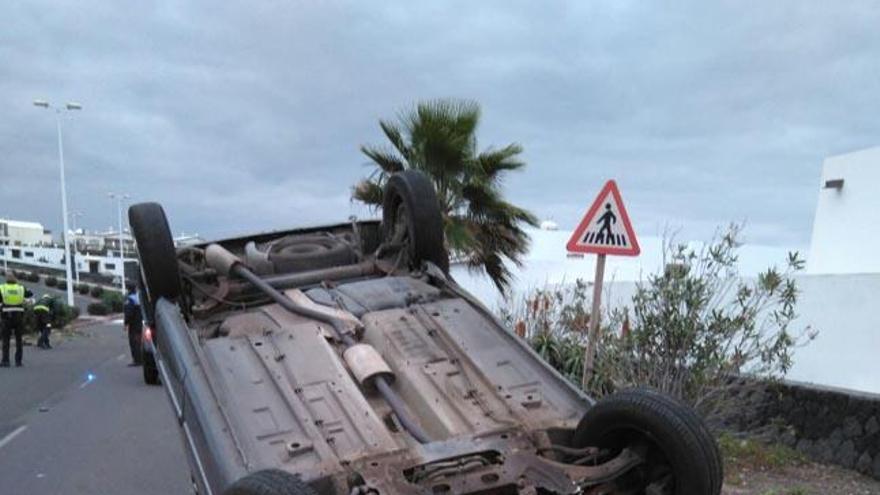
82, 289
113, 300
97, 309
696, 331
51, 281
64, 314
96, 291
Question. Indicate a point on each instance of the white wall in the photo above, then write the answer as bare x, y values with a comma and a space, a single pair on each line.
26, 233
846, 228
51, 257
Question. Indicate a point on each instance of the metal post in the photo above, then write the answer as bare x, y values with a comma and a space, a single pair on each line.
73, 215
66, 238
121, 246
593, 336
5, 248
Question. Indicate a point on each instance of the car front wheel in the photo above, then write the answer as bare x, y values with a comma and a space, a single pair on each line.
680, 455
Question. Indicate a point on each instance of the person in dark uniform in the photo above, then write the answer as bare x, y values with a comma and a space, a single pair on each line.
134, 325
44, 311
12, 297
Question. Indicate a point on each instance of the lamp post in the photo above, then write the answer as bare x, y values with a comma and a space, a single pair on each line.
119, 197
73, 217
5, 245
68, 107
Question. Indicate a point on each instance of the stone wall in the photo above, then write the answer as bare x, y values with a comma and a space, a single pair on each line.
828, 425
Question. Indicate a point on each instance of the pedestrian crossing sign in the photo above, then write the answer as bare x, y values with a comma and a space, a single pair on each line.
606, 228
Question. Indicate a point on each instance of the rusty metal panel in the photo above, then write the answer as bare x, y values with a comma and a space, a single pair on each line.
295, 405
529, 388
448, 396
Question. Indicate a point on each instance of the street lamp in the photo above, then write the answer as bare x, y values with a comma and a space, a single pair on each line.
73, 217
67, 264
119, 197
5, 245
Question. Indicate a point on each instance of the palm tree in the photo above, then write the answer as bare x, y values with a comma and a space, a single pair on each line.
439, 138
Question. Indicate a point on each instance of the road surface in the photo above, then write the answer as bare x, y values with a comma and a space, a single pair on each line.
62, 433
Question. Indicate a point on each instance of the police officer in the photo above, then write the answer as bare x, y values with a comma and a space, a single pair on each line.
134, 324
12, 297
44, 311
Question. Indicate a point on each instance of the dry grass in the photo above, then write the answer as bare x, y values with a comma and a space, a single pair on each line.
755, 468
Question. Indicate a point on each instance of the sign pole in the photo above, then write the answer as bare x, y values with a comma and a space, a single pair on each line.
605, 229
592, 338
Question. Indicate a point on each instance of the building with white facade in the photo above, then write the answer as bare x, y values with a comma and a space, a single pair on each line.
846, 228
20, 233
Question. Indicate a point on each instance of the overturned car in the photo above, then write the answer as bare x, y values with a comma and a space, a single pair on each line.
344, 359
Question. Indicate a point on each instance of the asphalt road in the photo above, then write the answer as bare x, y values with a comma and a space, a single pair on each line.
62, 433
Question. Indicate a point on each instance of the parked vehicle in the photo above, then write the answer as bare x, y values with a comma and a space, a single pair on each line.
343, 359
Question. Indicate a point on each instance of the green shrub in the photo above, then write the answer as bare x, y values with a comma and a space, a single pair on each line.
62, 284
82, 289
96, 291
113, 300
688, 330
33, 277
64, 314
51, 281
97, 309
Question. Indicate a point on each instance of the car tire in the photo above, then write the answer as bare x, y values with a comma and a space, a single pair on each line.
309, 252
151, 372
678, 437
411, 201
156, 251
270, 482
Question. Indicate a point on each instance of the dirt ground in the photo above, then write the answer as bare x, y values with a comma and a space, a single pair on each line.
752, 468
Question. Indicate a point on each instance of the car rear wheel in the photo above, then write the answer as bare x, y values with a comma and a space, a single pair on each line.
270, 482
151, 372
158, 258
412, 220
681, 456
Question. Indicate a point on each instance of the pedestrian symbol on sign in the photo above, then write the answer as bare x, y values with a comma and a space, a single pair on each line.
606, 228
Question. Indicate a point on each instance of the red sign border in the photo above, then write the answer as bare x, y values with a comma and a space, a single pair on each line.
633, 250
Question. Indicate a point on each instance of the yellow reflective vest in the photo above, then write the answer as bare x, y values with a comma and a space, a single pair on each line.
13, 296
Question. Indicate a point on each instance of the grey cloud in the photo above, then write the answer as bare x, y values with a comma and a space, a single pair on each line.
249, 115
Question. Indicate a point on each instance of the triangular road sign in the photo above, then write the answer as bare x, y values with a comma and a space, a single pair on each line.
606, 228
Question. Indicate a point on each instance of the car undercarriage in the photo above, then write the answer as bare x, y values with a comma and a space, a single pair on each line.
344, 359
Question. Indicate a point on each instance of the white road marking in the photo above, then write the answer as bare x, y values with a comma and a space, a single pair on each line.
15, 433
118, 322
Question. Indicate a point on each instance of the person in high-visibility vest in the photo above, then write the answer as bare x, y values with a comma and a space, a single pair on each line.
12, 298
44, 310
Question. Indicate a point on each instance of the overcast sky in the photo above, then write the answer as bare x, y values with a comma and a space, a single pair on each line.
249, 117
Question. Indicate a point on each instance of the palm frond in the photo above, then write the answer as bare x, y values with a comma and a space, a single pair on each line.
492, 162
385, 159
393, 133
368, 191
459, 236
438, 137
